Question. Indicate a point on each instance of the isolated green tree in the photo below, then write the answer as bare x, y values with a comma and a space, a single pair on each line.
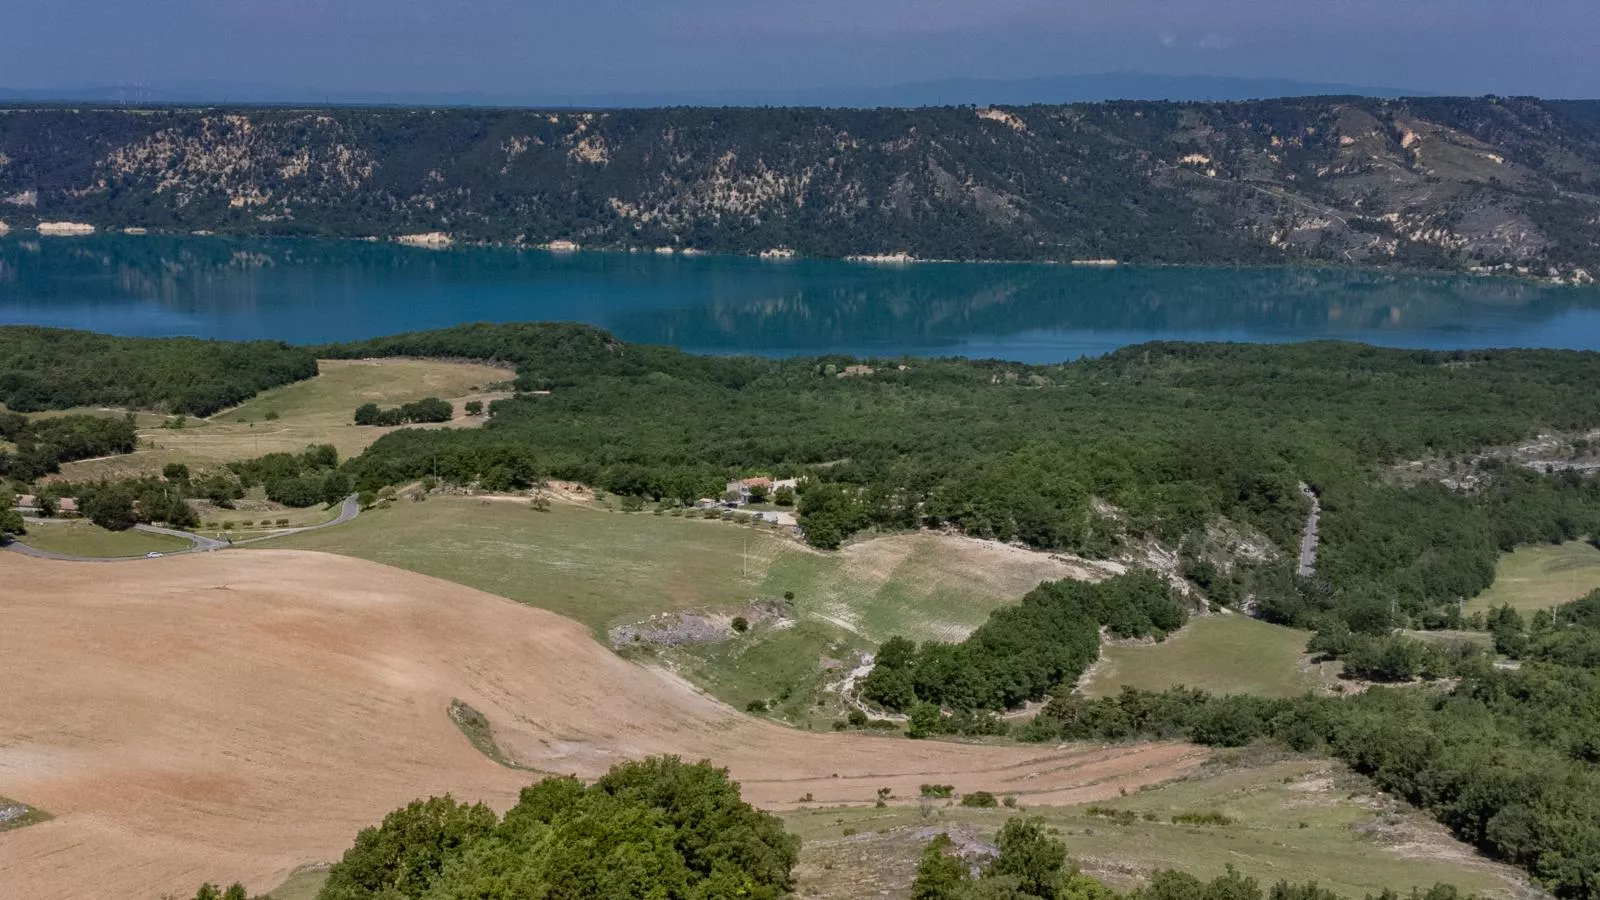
111, 507
926, 721
1035, 859
940, 873
11, 521
335, 487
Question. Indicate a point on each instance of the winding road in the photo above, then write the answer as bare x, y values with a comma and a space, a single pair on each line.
1308, 539
349, 509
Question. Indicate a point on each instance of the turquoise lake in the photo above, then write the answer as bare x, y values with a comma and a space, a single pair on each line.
314, 291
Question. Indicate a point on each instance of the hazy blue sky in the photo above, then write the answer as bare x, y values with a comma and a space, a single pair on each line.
1543, 47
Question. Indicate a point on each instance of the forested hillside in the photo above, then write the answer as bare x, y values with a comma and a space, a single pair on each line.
1438, 182
1506, 757
1151, 443
47, 368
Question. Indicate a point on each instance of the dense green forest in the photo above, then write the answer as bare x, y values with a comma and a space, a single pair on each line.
47, 368
1150, 443
1423, 182
1153, 443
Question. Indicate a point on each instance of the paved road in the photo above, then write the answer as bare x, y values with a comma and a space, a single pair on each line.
1308, 540
200, 544
347, 511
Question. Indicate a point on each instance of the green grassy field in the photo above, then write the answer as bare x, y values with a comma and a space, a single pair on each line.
786, 668
605, 569
344, 384
1294, 819
599, 568
1534, 578
609, 568
1223, 654
80, 537
922, 586
287, 419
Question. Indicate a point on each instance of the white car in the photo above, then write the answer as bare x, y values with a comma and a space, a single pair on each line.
152, 555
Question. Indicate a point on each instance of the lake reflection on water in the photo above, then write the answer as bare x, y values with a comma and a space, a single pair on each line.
314, 291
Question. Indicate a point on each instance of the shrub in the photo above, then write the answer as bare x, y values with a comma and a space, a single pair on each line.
937, 791
980, 800
741, 624
1120, 816
1201, 818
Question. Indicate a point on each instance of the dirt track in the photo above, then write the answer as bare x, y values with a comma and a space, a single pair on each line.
233, 716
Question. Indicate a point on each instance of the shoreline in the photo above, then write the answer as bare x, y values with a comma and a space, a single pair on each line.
897, 260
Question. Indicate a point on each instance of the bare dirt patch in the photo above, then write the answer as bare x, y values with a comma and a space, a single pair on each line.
1006, 568
241, 715
701, 626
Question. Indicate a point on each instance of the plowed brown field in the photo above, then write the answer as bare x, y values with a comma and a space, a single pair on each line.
236, 715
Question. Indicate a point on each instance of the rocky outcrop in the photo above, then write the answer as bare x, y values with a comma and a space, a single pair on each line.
1484, 184
65, 229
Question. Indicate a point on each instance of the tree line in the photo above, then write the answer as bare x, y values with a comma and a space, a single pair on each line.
299, 480
49, 368
1021, 652
42, 445
428, 409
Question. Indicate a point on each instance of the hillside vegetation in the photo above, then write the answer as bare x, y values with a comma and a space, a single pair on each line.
1151, 443
49, 368
1435, 182
665, 830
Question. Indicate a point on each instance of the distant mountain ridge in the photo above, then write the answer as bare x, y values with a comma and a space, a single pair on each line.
1049, 89
1440, 183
